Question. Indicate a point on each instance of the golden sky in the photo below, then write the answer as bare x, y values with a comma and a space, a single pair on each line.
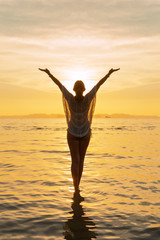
80, 40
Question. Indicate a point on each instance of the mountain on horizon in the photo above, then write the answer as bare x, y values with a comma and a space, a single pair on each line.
44, 115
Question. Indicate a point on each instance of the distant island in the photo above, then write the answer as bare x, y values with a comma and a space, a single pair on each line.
115, 115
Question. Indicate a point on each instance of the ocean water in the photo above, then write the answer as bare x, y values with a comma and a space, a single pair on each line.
120, 183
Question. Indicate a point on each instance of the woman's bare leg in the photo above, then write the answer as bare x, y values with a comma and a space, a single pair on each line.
83, 144
78, 149
74, 150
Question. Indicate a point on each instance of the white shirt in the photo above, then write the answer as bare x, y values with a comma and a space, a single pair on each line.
79, 113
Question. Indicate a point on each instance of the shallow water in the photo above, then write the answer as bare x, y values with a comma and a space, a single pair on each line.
120, 183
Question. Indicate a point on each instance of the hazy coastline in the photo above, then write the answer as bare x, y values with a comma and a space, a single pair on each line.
114, 115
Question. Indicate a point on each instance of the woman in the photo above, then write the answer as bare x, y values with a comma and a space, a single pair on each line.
79, 111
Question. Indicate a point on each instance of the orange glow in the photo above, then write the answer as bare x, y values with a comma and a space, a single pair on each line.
75, 74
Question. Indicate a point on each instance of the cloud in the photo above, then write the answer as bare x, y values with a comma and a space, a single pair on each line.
63, 34
40, 18
96, 35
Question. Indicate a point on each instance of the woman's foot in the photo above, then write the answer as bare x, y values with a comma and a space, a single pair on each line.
77, 197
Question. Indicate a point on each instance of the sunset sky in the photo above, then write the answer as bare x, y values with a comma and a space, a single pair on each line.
80, 40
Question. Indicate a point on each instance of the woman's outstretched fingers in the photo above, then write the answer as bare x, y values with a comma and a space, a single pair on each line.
116, 69
113, 70
44, 70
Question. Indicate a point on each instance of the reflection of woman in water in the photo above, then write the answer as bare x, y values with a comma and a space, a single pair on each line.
79, 111
79, 227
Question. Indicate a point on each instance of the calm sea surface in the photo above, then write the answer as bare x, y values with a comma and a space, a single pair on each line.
120, 183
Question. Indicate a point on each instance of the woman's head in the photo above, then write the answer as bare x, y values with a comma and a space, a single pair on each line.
79, 86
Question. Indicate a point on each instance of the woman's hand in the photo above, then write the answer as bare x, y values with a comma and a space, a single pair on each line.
45, 70
113, 70
55, 80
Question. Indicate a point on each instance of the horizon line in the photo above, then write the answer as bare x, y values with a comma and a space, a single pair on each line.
103, 115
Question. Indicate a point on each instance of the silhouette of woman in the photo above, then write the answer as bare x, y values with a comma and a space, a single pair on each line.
79, 111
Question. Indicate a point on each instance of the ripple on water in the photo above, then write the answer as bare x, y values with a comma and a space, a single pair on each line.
27, 228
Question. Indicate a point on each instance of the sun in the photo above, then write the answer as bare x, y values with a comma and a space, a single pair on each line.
72, 75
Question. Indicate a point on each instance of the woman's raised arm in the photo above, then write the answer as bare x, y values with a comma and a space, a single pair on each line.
55, 80
106, 76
